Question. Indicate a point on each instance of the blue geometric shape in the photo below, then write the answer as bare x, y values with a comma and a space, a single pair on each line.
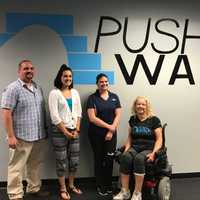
80, 61
62, 24
86, 66
75, 43
4, 37
89, 77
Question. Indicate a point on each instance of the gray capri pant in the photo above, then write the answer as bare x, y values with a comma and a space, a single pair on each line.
66, 151
133, 161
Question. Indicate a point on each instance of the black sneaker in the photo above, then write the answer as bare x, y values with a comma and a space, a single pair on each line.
102, 191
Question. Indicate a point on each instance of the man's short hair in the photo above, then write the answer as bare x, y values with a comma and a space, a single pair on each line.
23, 61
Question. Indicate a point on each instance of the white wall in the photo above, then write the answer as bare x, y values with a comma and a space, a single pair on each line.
177, 104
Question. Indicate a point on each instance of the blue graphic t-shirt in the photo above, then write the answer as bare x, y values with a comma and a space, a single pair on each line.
143, 134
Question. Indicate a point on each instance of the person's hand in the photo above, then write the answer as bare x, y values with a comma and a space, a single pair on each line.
127, 147
109, 136
75, 134
151, 157
69, 135
12, 142
112, 128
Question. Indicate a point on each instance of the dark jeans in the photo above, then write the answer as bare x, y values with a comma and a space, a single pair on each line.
103, 158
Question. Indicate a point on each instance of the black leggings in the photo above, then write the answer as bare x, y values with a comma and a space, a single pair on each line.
103, 158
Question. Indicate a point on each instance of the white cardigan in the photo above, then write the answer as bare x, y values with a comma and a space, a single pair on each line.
60, 111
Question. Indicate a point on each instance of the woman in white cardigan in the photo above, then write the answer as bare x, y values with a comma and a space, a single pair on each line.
65, 111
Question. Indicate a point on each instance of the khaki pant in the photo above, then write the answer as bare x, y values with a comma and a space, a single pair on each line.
26, 157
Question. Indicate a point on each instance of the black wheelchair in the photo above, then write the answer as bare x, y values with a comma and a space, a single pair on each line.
157, 184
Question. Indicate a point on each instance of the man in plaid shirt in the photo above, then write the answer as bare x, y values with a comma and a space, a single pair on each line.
23, 113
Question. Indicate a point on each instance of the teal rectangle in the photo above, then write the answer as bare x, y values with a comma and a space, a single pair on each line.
75, 43
83, 61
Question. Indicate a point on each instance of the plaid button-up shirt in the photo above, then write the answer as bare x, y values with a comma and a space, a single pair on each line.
28, 110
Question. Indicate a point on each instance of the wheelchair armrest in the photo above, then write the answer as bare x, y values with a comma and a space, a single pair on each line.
162, 151
158, 164
161, 157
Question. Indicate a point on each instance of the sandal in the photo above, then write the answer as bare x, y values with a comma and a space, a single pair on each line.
75, 190
64, 193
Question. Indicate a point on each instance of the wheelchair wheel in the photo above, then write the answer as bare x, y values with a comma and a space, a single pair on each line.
164, 189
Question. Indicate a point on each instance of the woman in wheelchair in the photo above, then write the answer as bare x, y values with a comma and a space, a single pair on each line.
144, 140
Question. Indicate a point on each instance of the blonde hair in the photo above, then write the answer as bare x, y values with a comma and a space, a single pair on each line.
149, 111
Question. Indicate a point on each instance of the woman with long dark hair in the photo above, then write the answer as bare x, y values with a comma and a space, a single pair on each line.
65, 111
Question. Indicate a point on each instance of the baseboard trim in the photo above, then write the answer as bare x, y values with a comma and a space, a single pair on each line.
186, 175
91, 180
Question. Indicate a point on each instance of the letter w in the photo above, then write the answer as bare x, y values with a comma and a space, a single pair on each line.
140, 59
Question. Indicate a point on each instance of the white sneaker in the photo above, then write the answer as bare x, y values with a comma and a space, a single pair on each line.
122, 195
137, 196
